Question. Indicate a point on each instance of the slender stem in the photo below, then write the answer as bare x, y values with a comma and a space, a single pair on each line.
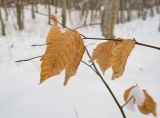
127, 102
89, 66
107, 86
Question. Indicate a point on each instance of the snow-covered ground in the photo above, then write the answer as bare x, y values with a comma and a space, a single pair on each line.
85, 96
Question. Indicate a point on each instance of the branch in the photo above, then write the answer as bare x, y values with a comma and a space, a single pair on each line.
90, 66
146, 45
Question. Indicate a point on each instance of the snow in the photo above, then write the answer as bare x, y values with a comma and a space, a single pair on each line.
138, 95
85, 96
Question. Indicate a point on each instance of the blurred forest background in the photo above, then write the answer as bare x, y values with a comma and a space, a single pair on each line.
91, 12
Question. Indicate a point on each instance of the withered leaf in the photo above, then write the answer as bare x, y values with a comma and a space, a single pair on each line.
76, 48
120, 54
102, 53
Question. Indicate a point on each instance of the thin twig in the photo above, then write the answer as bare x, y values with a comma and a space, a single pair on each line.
90, 66
127, 102
107, 86
36, 45
28, 59
146, 45
82, 26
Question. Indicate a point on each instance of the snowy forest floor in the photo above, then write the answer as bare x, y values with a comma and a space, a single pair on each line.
85, 96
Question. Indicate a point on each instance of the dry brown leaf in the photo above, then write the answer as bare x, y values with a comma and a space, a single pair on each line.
149, 105
102, 54
120, 54
65, 51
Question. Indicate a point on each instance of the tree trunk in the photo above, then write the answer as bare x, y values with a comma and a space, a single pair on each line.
2, 24
109, 17
64, 12
32, 8
4, 3
128, 8
49, 12
19, 8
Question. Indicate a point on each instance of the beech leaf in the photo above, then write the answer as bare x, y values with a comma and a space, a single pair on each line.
102, 54
120, 55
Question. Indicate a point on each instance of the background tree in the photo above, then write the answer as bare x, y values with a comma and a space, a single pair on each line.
109, 17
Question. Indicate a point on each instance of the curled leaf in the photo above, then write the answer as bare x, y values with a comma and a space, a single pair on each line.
145, 103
